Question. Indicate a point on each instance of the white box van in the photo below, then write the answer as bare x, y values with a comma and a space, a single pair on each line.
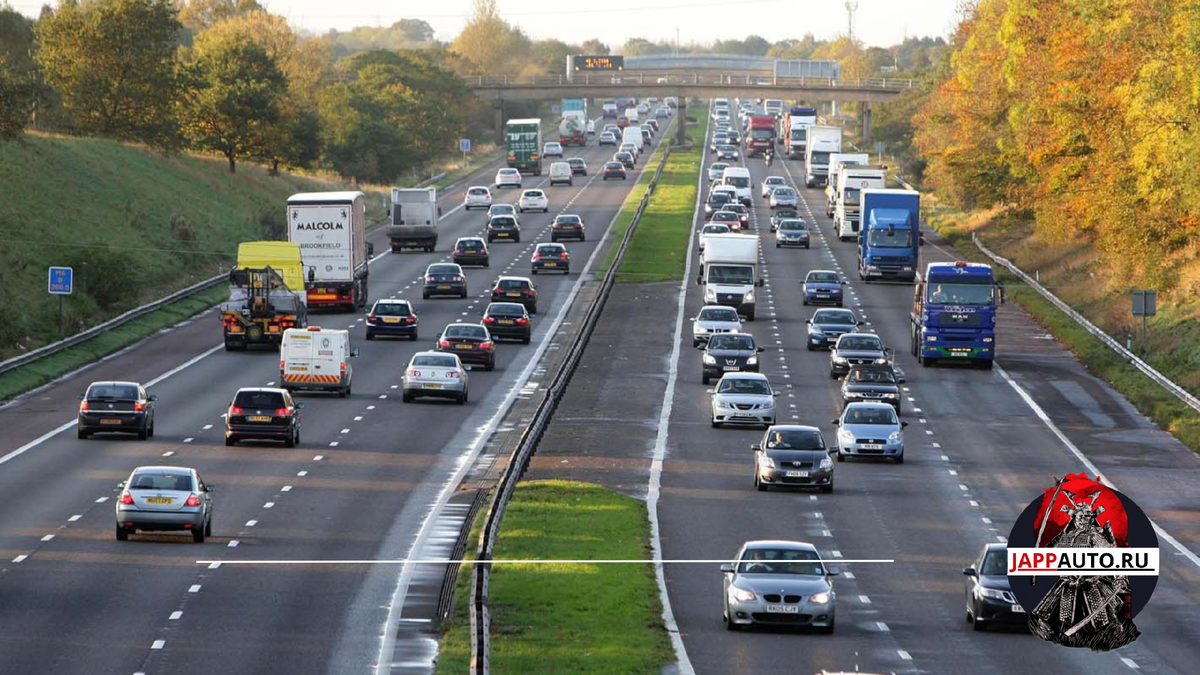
738, 177
560, 172
631, 114
316, 358
632, 134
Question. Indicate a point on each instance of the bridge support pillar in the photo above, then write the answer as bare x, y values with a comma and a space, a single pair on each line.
681, 123
865, 108
498, 108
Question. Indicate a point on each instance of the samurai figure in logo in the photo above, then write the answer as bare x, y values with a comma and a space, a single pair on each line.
1084, 611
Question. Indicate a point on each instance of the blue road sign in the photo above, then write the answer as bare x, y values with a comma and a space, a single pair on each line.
62, 280
464, 144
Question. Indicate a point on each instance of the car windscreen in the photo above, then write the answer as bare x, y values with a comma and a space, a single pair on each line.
478, 191
761, 133
718, 314
726, 216
871, 375
736, 208
719, 198
716, 229
834, 317
435, 361
731, 342
567, 219
730, 274
784, 214
995, 563
784, 192
613, 165
960, 294
850, 196
477, 332
822, 278
390, 309
873, 415
780, 561
861, 343
774, 180
718, 167
470, 245
533, 193
890, 238
258, 399
551, 250
793, 225
795, 439
513, 284
161, 480
738, 385
503, 222
737, 181
505, 309
444, 269
502, 208
118, 391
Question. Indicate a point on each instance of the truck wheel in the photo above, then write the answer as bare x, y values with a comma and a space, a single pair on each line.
750, 316
928, 362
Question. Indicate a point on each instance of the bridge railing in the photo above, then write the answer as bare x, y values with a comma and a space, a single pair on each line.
715, 79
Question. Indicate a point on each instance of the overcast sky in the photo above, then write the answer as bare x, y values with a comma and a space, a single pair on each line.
877, 22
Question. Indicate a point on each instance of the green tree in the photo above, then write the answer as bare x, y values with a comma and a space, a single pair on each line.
234, 99
19, 84
793, 49
112, 64
593, 46
199, 15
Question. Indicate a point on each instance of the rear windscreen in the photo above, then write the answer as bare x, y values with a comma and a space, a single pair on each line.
118, 391
258, 399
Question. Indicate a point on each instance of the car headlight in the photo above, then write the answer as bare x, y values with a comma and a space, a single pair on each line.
882, 359
820, 598
816, 332
709, 359
988, 339
826, 464
994, 594
749, 297
846, 435
891, 395
766, 462
839, 359
896, 436
752, 361
741, 594
710, 295
697, 328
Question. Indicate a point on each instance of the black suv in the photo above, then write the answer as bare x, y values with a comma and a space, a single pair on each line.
392, 317
516, 289
729, 353
508, 320
471, 251
116, 406
263, 413
503, 227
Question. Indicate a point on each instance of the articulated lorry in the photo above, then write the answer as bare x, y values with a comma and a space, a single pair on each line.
572, 128
330, 228
793, 130
524, 141
730, 272
890, 239
266, 295
954, 314
852, 179
414, 221
836, 161
822, 142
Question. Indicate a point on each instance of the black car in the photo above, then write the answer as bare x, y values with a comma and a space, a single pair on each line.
516, 289
578, 166
876, 383
989, 597
508, 320
827, 325
729, 353
614, 170
790, 455
857, 349
717, 201
625, 158
263, 413
567, 226
503, 227
117, 407
780, 215
392, 317
471, 251
550, 258
471, 342
444, 279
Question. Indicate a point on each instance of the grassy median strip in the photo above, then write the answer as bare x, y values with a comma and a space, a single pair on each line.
579, 618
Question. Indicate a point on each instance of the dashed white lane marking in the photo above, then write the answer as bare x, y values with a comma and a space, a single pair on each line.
864, 599
302, 473
953, 472
383, 396
20, 557
168, 453
836, 554
937, 445
207, 427
189, 439
251, 523
370, 407
74, 518
358, 418
175, 616
883, 627
333, 444
973, 503
928, 432
848, 574
101, 500
345, 431
158, 644
986, 520
946, 458
904, 655
318, 458
962, 487
1130, 662
195, 588
269, 505
48, 537
233, 543
286, 488
922, 420
214, 566
1002, 540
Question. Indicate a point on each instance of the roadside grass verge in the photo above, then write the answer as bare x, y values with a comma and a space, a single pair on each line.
1148, 397
578, 618
53, 366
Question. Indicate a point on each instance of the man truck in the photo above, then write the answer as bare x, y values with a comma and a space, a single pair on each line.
730, 272
266, 295
852, 179
330, 228
524, 140
954, 314
891, 234
414, 221
822, 141
836, 161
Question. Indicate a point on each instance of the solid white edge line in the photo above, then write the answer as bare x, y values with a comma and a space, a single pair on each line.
399, 595
1087, 463
654, 487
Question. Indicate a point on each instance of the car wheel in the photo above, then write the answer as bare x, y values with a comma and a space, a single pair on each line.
716, 424
122, 533
198, 535
806, 247
462, 398
424, 295
526, 339
208, 527
827, 488
833, 375
463, 295
762, 487
810, 347
414, 336
290, 441
827, 630
343, 392
143, 434
805, 302
370, 335
406, 397
491, 365
230, 441
979, 624
777, 245
841, 457
533, 270
83, 434
704, 379
900, 458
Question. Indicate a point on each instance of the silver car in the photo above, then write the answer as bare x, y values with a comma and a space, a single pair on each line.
770, 183
164, 498
743, 398
779, 583
716, 170
436, 375
792, 232
870, 430
784, 197
714, 319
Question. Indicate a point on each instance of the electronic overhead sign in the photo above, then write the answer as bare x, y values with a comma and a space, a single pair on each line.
586, 63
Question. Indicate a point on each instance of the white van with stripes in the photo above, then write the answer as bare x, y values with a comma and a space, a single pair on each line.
316, 359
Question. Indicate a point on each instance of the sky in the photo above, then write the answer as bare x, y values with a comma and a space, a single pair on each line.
877, 22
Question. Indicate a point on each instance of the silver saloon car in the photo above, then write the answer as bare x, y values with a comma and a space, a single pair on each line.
435, 375
743, 398
714, 319
870, 430
164, 498
779, 583
784, 197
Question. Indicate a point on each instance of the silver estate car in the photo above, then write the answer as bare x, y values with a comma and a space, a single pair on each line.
714, 319
779, 583
870, 430
436, 375
164, 498
743, 398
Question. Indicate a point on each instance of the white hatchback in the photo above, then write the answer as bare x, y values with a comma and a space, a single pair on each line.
552, 149
533, 200
477, 197
508, 177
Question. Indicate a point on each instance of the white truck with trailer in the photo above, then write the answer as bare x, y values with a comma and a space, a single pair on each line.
414, 219
836, 160
330, 228
822, 142
852, 180
730, 272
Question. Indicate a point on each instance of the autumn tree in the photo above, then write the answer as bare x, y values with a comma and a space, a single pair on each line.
490, 44
593, 46
198, 15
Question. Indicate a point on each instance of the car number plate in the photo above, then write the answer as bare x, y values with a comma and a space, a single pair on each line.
797, 474
501, 234
871, 446
443, 287
783, 609
730, 369
506, 322
1017, 609
744, 415
391, 319
432, 385
259, 418
513, 295
550, 264
159, 500
463, 345
822, 295
110, 421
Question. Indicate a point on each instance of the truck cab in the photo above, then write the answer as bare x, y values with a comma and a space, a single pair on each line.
822, 141
730, 272
851, 181
795, 130
266, 295
760, 135
954, 314
836, 161
890, 240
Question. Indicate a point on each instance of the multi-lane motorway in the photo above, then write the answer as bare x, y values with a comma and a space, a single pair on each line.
74, 600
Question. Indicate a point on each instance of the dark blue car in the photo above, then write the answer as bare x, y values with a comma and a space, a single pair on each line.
822, 287
827, 325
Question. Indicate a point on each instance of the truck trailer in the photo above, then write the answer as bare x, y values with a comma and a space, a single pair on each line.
414, 219
572, 128
954, 314
889, 243
524, 142
760, 134
822, 142
730, 272
330, 228
266, 295
836, 161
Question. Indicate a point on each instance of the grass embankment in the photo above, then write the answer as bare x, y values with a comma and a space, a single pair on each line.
1071, 272
581, 618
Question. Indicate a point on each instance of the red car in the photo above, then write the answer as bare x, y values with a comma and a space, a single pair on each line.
726, 217
614, 170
